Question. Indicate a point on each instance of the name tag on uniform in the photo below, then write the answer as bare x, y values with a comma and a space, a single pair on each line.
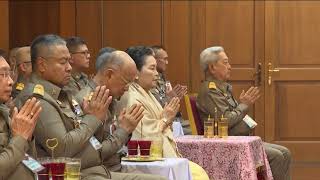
95, 143
112, 127
32, 164
250, 122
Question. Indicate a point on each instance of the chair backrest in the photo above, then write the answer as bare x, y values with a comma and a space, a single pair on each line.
196, 123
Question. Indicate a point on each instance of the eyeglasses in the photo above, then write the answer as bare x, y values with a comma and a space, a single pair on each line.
163, 59
86, 53
6, 74
127, 83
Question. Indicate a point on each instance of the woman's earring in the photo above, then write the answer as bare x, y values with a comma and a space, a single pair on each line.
136, 78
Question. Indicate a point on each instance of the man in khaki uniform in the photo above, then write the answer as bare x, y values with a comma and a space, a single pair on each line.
61, 121
24, 69
163, 92
216, 92
15, 132
116, 71
80, 59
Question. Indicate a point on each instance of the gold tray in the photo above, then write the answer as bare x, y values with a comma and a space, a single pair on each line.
142, 159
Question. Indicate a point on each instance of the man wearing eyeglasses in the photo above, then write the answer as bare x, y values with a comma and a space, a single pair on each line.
24, 69
15, 130
80, 58
116, 71
163, 91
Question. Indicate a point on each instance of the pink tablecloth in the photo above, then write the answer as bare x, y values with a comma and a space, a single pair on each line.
234, 158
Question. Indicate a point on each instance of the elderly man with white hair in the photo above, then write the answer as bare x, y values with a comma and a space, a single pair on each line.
215, 92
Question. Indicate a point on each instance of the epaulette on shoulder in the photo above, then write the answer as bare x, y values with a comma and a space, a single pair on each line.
212, 85
38, 90
20, 86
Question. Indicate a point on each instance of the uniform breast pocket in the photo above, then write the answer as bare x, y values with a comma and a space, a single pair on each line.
70, 119
232, 103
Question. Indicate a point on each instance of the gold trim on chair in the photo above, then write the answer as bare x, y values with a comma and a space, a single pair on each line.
192, 122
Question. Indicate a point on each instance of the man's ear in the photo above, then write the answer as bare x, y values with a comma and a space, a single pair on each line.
108, 73
211, 67
22, 67
41, 64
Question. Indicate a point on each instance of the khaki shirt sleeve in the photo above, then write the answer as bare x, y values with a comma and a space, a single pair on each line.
113, 143
50, 125
11, 155
234, 115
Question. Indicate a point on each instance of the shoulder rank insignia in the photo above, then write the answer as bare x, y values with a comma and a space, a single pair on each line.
38, 89
212, 85
20, 86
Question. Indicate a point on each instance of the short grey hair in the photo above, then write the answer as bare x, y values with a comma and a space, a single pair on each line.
44, 41
109, 60
209, 55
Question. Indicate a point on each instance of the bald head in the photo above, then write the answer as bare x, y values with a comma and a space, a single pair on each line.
23, 55
116, 60
117, 71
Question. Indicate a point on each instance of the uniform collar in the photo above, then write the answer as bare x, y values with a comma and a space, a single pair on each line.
3, 107
92, 84
5, 111
222, 85
77, 76
162, 76
22, 79
49, 88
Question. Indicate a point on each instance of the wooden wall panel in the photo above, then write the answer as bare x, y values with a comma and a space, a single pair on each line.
301, 45
293, 100
67, 18
197, 42
28, 19
89, 27
291, 106
176, 39
4, 30
129, 23
234, 30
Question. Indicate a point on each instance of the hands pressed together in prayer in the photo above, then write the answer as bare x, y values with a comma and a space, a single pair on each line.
169, 112
250, 96
24, 121
98, 104
178, 91
130, 117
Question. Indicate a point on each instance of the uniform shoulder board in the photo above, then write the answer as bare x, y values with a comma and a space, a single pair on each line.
38, 89
212, 85
20, 86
